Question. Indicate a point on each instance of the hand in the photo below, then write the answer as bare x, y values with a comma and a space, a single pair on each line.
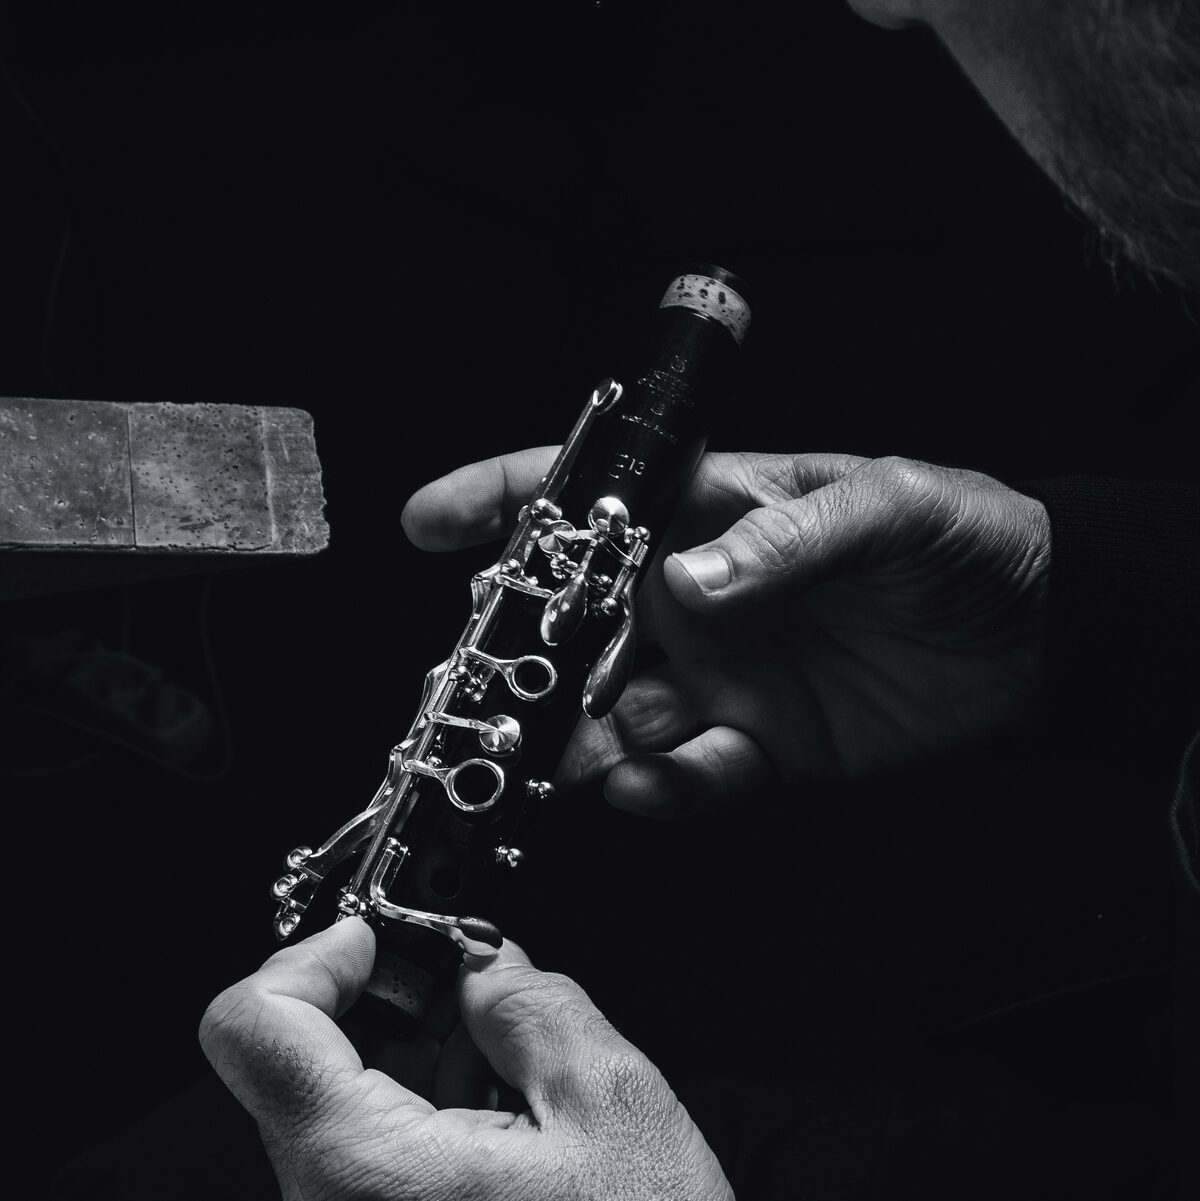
601, 1121
834, 617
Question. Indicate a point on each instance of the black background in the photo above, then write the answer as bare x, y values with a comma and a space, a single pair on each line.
428, 231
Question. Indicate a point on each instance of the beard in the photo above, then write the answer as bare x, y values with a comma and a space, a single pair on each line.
1123, 79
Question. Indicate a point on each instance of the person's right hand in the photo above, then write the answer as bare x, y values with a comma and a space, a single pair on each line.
832, 617
596, 1118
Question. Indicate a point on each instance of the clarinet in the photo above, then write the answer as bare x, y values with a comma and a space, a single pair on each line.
550, 634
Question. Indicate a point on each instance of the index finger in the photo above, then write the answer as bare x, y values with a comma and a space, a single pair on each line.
477, 503
729, 483
272, 1037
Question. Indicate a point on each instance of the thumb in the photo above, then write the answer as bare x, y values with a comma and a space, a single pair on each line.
857, 521
542, 1034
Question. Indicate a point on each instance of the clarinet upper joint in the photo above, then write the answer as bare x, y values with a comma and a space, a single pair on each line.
551, 569
550, 630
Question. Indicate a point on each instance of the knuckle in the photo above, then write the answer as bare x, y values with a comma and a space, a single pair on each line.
571, 1013
230, 1019
626, 1085
773, 536
600, 1068
909, 490
645, 712
774, 477
595, 746
726, 480
550, 1006
900, 477
283, 1083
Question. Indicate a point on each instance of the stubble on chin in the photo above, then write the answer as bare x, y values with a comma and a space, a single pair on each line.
1118, 84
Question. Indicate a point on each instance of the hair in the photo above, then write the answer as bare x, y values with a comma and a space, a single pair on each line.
1123, 81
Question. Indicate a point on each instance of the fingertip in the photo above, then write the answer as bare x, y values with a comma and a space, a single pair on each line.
346, 947
507, 954
512, 954
429, 522
343, 932
353, 930
410, 519
475, 503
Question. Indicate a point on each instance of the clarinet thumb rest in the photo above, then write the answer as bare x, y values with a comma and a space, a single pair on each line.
401, 1020
407, 1025
402, 993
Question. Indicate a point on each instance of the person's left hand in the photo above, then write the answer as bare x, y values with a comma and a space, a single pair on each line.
865, 616
600, 1120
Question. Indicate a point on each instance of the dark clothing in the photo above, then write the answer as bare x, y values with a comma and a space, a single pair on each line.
1124, 640
1124, 665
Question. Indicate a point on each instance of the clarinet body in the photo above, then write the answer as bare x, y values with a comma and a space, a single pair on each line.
550, 634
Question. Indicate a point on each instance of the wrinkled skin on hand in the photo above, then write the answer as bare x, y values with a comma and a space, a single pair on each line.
600, 1120
877, 612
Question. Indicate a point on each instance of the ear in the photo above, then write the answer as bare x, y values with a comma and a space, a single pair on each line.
891, 14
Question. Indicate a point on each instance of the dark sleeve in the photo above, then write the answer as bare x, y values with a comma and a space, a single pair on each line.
1123, 648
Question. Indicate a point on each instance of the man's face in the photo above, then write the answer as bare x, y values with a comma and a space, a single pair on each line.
1103, 94
891, 14
968, 29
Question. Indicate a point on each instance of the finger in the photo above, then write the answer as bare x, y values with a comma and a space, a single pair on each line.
476, 503
723, 489
272, 1037
775, 550
480, 502
729, 483
652, 714
720, 767
542, 1034
594, 747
